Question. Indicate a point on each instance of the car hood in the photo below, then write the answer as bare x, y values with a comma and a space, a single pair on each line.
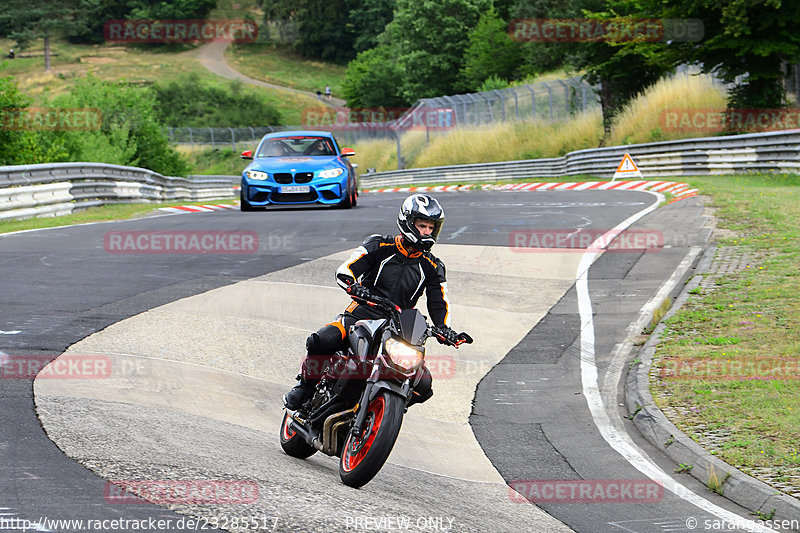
296, 163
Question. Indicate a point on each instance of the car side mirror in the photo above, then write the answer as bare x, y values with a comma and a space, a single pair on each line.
347, 152
247, 154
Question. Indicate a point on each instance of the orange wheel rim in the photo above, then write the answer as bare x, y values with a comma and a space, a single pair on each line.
351, 460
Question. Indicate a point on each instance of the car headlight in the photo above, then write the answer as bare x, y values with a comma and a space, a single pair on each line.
331, 173
403, 356
257, 175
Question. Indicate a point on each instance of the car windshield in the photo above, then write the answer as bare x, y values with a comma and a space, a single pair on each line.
296, 145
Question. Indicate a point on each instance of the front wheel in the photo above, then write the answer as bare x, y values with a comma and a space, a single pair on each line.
348, 201
244, 205
292, 443
364, 456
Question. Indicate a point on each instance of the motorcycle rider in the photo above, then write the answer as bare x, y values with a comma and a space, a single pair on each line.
395, 267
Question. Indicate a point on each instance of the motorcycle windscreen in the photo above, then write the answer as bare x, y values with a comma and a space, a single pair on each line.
412, 326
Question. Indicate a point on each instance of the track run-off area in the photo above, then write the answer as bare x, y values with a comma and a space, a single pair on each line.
190, 348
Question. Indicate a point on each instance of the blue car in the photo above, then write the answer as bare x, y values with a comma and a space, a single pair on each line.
296, 168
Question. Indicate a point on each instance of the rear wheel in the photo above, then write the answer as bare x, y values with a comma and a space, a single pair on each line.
292, 443
363, 457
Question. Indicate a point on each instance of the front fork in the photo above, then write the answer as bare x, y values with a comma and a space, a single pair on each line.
374, 386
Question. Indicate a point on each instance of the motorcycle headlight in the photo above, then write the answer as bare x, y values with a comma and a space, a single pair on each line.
331, 173
403, 356
257, 175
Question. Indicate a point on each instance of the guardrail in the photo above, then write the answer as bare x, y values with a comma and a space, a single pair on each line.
57, 189
61, 188
766, 152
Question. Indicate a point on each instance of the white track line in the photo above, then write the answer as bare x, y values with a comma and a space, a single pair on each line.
619, 440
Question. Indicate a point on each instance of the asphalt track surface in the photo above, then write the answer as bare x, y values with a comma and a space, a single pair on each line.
530, 412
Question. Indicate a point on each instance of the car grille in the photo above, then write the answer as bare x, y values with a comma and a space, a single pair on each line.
282, 177
303, 177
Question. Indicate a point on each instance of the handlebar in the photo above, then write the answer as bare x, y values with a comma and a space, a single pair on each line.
394, 310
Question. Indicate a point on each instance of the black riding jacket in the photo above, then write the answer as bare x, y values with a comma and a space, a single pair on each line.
392, 270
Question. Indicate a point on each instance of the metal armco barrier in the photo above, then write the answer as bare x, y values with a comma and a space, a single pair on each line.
755, 152
61, 188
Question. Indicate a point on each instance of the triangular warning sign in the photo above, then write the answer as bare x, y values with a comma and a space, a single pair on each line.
627, 168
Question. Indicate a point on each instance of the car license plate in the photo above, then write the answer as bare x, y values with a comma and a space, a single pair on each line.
295, 189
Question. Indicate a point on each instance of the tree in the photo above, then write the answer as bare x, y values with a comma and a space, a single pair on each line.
20, 146
130, 133
431, 37
544, 56
369, 19
323, 29
748, 38
491, 52
623, 66
374, 79
97, 12
37, 19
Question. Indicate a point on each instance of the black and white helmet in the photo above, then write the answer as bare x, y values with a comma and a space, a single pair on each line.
420, 207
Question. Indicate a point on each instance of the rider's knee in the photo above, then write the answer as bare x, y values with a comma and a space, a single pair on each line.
324, 341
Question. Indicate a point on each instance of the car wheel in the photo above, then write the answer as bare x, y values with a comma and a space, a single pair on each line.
347, 201
244, 205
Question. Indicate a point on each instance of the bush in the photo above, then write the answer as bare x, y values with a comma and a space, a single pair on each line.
190, 102
20, 147
130, 133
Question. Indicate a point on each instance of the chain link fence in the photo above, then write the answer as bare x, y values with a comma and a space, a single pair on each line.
217, 137
552, 101
249, 137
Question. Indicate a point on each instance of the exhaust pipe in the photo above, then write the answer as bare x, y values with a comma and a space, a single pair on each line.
298, 427
330, 430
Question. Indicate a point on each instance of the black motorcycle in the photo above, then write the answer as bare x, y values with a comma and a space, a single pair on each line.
358, 405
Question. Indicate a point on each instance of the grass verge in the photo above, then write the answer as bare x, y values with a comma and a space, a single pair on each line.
276, 64
95, 214
729, 361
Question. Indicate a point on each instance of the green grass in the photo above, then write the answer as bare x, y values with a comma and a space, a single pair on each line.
96, 214
140, 65
276, 64
735, 350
